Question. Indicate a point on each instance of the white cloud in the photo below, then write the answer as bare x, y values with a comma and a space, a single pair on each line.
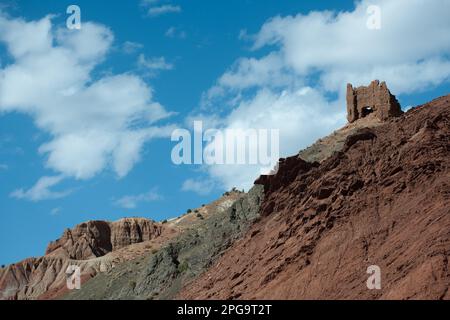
299, 85
301, 116
3, 166
94, 123
413, 39
154, 63
199, 186
41, 190
247, 73
55, 211
130, 47
164, 9
173, 32
170, 32
243, 35
148, 2
132, 201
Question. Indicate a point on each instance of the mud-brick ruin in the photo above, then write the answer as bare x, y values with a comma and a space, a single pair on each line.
375, 98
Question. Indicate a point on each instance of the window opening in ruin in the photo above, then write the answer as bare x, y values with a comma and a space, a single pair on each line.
366, 111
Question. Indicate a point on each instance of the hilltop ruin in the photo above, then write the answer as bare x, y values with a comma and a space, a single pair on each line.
375, 98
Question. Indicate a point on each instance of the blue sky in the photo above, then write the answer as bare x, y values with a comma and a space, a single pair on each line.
225, 62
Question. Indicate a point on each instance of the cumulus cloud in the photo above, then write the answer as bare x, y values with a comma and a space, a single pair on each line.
94, 122
200, 186
41, 190
132, 201
251, 72
298, 84
413, 40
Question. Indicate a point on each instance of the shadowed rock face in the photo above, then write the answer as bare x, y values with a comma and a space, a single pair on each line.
383, 199
375, 98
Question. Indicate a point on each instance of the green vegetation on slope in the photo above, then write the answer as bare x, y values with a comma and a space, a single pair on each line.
161, 275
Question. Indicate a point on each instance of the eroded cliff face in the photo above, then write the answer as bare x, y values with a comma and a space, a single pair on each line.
97, 238
94, 246
32, 277
383, 199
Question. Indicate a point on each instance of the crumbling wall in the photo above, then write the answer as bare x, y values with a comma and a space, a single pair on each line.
375, 98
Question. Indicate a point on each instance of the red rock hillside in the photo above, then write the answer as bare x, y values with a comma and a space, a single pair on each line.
383, 200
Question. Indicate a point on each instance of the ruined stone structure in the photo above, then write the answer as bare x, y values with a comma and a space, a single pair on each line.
376, 99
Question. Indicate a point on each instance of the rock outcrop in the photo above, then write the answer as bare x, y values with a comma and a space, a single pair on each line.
375, 98
97, 238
